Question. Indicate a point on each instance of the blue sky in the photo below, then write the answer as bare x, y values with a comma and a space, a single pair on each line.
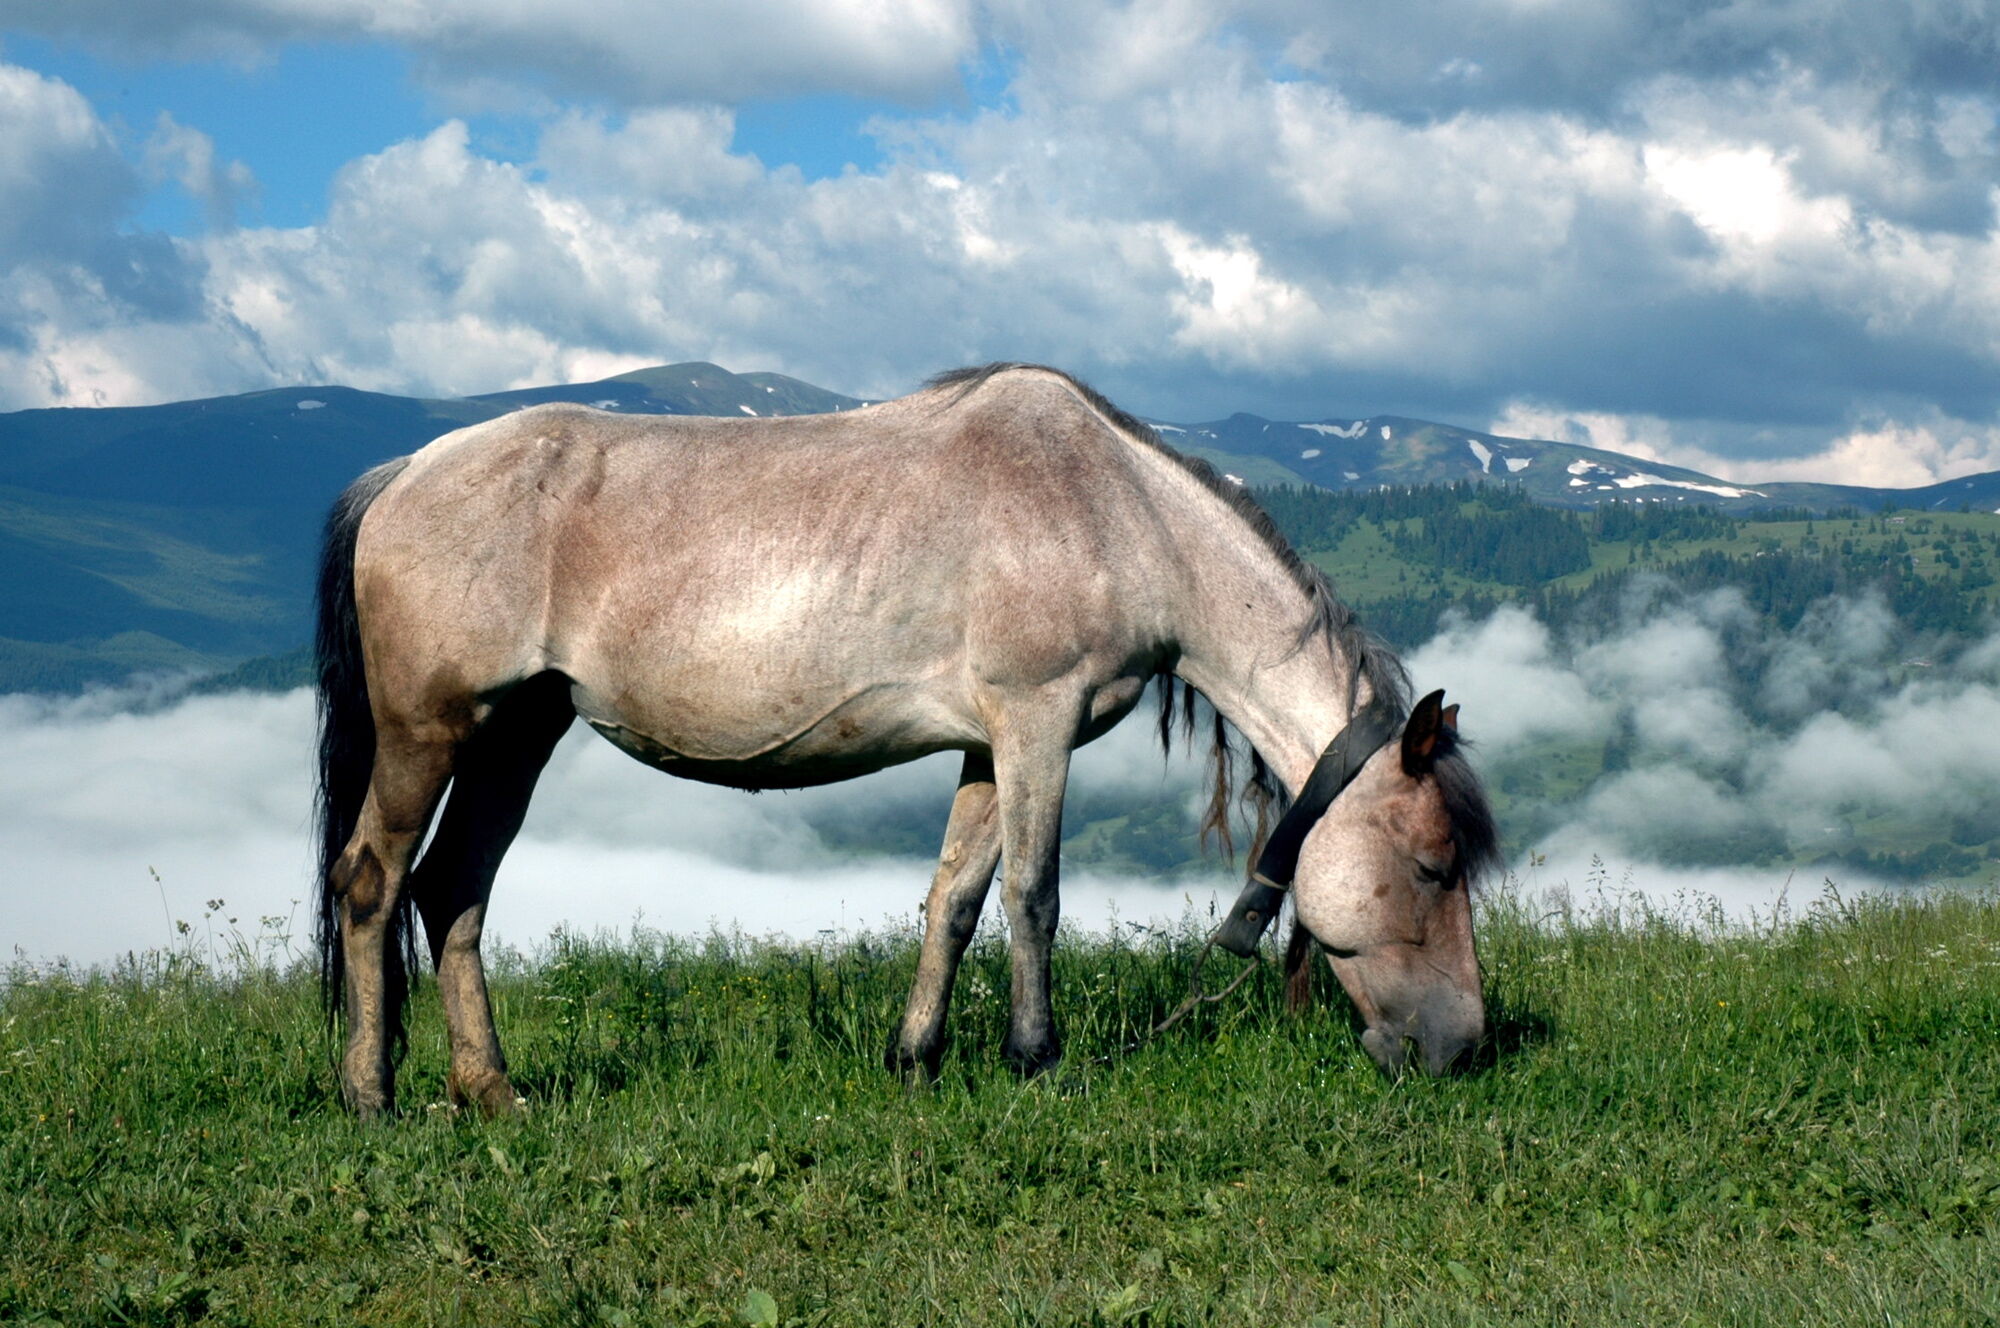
1759, 238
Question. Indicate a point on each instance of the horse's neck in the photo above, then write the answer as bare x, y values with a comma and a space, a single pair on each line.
1244, 646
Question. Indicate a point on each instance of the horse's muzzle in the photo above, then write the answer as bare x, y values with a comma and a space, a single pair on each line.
1438, 1051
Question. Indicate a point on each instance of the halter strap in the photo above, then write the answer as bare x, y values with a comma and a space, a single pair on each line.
1371, 727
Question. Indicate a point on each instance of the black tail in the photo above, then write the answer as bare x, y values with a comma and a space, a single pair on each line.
347, 742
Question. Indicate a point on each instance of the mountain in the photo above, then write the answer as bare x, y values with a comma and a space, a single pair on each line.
181, 536
1389, 449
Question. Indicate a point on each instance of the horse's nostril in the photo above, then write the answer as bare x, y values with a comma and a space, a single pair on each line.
1450, 1057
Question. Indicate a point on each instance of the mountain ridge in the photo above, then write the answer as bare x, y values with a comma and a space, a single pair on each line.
182, 535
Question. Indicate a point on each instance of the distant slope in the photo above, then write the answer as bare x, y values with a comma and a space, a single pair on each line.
694, 388
181, 536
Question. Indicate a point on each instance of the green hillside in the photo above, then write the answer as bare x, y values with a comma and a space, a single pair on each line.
1406, 557
181, 537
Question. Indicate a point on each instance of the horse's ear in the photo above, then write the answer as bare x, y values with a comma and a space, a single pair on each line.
1450, 716
1420, 735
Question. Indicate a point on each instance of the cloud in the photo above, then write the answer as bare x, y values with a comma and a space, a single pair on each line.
627, 50
1736, 745
1740, 250
213, 794
187, 157
1504, 670
1734, 742
72, 279
1586, 59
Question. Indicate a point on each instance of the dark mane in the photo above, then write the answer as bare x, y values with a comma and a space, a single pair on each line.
1473, 830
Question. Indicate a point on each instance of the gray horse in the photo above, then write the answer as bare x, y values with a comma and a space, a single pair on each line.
996, 565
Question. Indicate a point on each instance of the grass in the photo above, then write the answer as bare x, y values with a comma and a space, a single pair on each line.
1678, 1124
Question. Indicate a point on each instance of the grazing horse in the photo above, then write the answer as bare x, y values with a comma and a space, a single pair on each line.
996, 565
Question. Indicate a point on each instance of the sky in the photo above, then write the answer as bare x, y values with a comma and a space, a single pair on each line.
1757, 237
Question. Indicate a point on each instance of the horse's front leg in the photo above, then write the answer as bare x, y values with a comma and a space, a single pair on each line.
1031, 769
951, 913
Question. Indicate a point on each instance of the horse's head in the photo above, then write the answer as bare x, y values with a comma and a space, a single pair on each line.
1382, 881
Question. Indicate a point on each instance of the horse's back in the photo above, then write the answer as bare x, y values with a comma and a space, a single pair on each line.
729, 591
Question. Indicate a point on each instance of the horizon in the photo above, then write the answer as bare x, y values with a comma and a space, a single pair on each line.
1322, 417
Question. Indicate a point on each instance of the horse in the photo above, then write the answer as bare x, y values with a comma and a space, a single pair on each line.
997, 565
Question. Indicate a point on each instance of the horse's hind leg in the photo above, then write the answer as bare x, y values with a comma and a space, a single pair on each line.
951, 913
412, 763
494, 777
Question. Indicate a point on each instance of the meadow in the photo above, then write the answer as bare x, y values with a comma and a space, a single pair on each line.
1678, 1122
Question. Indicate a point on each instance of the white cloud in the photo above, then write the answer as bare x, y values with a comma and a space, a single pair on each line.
630, 50
1504, 671
214, 793
1751, 261
1743, 195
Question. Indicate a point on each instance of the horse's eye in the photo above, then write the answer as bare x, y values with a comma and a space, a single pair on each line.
1435, 875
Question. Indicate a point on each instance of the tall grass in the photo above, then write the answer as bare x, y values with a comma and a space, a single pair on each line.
1678, 1123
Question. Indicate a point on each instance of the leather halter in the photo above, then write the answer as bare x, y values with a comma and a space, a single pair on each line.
1369, 729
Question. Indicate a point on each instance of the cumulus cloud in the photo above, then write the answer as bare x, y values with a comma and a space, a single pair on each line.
625, 49
1745, 239
187, 157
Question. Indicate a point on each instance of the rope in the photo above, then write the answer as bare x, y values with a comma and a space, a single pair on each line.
1195, 998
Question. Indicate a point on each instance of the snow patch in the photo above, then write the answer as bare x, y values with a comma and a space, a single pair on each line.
1578, 484
746, 410
1517, 464
1485, 455
1169, 428
609, 403
1385, 433
1350, 475
1233, 479
1639, 479
310, 404
1354, 430
1309, 454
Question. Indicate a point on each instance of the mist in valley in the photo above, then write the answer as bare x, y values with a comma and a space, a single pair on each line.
1690, 755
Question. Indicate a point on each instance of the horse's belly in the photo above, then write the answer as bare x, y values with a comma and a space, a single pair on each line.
782, 740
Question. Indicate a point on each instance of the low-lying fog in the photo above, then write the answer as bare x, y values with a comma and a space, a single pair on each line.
1831, 728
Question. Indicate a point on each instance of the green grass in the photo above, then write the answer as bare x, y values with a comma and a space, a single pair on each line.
1677, 1126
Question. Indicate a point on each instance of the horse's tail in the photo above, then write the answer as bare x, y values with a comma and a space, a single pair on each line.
1300, 952
347, 739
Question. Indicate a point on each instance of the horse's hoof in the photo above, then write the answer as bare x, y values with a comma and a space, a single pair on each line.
1032, 1059
490, 1094
369, 1101
916, 1069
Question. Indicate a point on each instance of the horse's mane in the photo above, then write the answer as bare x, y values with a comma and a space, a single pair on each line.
1473, 832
